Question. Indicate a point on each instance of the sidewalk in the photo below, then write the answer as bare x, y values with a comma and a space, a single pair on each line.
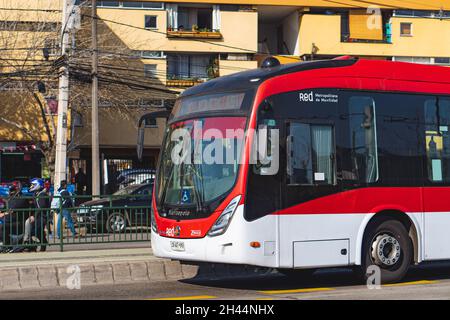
54, 269
20, 271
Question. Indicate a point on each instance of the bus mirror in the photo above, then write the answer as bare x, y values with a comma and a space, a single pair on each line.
140, 142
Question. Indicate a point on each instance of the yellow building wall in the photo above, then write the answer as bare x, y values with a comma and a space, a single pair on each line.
390, 4
24, 10
324, 32
20, 108
227, 67
239, 29
109, 135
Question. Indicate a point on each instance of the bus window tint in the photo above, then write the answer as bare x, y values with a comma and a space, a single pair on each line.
312, 154
363, 140
437, 139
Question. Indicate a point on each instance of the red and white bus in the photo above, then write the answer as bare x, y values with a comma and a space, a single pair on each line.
363, 169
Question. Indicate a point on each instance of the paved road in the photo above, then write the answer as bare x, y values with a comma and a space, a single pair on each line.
430, 282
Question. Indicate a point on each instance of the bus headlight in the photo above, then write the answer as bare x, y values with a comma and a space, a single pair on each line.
221, 224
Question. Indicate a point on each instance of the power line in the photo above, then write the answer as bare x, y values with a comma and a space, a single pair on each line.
192, 65
31, 10
125, 82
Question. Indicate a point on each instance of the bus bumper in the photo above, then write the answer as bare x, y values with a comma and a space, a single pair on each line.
231, 247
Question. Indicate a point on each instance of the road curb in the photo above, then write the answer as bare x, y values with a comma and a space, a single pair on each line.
115, 272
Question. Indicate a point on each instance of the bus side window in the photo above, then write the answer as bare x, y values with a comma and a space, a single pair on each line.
437, 138
310, 154
363, 140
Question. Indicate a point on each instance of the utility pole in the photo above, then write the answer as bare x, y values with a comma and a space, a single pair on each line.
63, 99
94, 117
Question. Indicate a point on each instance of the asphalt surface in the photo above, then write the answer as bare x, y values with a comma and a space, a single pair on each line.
425, 282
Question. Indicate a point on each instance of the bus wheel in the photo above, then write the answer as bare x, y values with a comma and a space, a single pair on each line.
297, 273
387, 246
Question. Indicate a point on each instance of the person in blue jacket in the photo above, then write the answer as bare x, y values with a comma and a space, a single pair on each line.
67, 203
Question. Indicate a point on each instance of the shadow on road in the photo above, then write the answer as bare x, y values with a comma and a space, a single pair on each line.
320, 279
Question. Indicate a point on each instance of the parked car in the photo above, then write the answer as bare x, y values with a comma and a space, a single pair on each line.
128, 207
135, 176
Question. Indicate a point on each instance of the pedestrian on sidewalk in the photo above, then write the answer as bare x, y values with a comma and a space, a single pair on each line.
13, 220
66, 205
35, 224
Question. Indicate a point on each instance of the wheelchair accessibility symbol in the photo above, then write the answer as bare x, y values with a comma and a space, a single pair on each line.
185, 196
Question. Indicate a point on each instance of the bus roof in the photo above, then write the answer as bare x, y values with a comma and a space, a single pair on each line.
350, 67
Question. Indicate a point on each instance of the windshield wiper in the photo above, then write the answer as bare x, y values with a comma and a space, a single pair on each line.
166, 185
197, 179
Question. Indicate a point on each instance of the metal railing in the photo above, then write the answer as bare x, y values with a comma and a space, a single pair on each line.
105, 219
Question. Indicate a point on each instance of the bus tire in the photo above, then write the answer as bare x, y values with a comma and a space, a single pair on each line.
297, 273
386, 245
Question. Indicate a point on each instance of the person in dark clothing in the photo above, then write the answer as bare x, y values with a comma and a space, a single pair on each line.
66, 199
80, 181
13, 220
35, 224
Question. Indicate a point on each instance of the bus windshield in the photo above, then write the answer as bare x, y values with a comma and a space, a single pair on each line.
200, 160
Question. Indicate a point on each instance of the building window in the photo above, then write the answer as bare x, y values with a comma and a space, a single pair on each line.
151, 103
108, 4
150, 70
203, 19
422, 14
444, 61
151, 123
185, 66
153, 54
130, 4
405, 29
422, 60
150, 22
51, 46
153, 5
145, 54
437, 139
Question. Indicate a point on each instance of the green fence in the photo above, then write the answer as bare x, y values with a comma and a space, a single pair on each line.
104, 219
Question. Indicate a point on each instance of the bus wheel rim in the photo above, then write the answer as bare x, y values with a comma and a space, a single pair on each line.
386, 250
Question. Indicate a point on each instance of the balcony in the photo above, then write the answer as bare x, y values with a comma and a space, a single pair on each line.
345, 37
194, 33
183, 83
187, 70
193, 21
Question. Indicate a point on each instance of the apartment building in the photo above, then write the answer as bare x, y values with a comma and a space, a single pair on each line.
27, 105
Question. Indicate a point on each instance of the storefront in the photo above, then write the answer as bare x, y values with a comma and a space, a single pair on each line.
20, 161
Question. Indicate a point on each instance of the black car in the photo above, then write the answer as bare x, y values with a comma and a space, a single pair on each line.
128, 207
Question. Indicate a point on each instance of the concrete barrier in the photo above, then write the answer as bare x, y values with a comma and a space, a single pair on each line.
116, 272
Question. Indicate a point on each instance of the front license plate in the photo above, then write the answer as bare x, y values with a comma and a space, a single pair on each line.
177, 245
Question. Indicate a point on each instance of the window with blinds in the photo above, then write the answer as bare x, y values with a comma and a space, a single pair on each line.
365, 26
